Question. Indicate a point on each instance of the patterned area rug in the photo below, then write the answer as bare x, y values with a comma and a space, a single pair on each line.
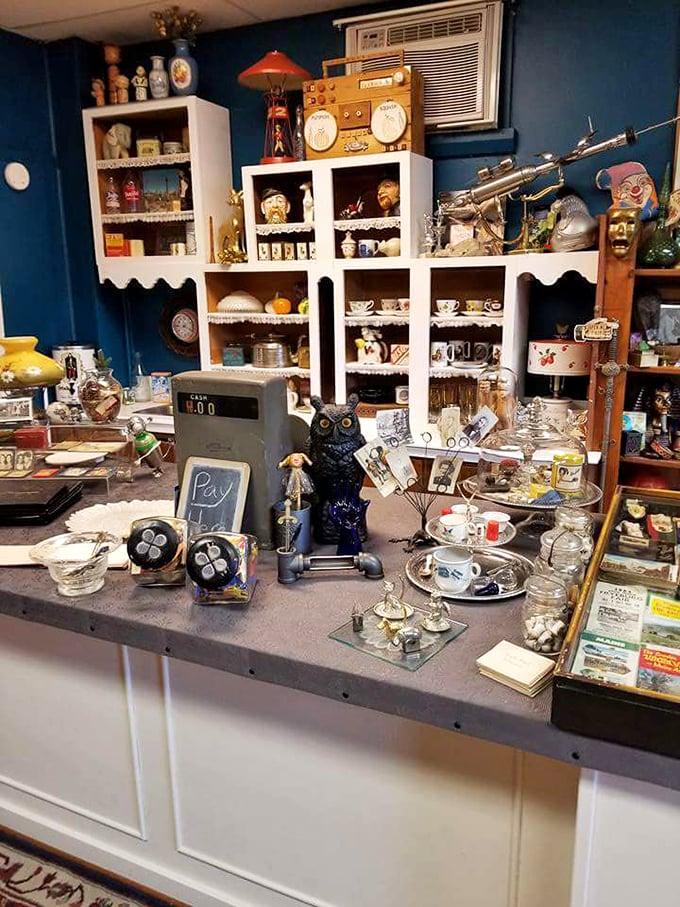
28, 880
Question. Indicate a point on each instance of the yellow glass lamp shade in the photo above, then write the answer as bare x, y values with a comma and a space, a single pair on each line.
21, 365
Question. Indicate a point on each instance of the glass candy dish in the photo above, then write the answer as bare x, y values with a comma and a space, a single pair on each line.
77, 561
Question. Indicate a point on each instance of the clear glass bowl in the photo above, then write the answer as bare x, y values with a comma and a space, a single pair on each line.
76, 561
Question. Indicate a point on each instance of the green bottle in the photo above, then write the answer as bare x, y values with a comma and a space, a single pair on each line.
659, 250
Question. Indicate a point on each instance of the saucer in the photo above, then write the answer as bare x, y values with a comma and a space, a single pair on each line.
497, 314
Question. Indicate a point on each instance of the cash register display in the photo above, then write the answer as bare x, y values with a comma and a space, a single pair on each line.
197, 404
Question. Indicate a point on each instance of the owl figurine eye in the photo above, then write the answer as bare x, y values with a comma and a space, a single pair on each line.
347, 422
324, 423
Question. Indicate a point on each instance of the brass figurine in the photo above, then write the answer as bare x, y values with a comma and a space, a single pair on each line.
233, 247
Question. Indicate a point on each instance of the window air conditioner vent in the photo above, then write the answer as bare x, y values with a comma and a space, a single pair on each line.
457, 51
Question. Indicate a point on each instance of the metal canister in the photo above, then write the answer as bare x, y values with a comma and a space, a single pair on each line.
76, 359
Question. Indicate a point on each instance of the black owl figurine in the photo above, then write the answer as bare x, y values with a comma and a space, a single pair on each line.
334, 435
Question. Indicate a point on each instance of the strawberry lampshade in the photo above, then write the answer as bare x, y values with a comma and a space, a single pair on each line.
558, 359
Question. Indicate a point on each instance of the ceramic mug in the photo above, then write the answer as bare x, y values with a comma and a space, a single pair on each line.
453, 569
389, 305
493, 305
367, 247
454, 526
401, 393
404, 304
447, 306
461, 350
496, 352
361, 305
474, 305
481, 350
442, 353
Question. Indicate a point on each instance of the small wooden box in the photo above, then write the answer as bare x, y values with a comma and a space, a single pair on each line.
365, 112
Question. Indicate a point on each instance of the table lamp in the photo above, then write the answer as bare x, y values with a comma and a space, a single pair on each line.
558, 359
273, 74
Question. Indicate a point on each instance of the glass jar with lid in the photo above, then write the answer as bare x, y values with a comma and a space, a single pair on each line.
560, 558
497, 389
532, 458
545, 616
581, 523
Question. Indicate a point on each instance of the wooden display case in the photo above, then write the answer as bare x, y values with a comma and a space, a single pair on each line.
618, 676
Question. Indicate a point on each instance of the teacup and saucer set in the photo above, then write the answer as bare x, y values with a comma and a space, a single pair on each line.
464, 525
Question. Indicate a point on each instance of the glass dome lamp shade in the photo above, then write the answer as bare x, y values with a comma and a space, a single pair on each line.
273, 74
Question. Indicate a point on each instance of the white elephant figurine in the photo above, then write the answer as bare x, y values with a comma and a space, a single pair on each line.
117, 142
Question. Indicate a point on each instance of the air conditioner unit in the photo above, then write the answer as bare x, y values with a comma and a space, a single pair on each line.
456, 47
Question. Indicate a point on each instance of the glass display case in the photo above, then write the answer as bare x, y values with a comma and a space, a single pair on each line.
618, 676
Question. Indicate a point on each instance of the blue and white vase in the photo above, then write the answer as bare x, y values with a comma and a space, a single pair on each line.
158, 79
183, 69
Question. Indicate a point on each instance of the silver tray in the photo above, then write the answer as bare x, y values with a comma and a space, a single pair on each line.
592, 496
433, 529
488, 559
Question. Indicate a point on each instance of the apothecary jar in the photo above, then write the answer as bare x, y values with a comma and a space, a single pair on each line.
545, 615
581, 523
560, 559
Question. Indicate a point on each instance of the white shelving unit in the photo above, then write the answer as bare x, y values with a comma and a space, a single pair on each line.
204, 128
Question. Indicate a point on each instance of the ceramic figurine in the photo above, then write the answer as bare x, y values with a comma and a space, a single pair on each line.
307, 204
388, 197
297, 482
631, 186
334, 435
233, 247
122, 86
275, 206
117, 142
98, 92
370, 347
112, 59
354, 209
140, 83
147, 446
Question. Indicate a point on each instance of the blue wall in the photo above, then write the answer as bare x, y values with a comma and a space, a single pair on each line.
617, 61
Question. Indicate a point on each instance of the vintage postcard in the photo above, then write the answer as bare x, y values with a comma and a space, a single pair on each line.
393, 427
371, 458
617, 611
444, 475
401, 467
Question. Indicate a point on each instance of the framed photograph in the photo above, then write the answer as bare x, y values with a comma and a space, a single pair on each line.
161, 189
16, 409
213, 494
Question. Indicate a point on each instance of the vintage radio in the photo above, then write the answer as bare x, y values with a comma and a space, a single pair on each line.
364, 113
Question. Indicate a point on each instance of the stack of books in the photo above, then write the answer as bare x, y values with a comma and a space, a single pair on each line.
516, 668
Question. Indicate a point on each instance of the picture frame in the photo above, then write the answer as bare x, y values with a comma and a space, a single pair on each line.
16, 409
213, 493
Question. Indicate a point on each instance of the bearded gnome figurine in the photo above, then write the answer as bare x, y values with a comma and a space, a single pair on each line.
334, 435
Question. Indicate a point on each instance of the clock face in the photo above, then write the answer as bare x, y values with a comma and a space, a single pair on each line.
321, 130
184, 325
389, 122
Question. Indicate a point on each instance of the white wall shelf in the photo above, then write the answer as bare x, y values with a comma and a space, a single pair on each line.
255, 318
149, 160
288, 372
149, 217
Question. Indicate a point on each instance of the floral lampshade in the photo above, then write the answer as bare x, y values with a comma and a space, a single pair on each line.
560, 358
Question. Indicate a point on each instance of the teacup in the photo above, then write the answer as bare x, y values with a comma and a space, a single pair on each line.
404, 304
454, 526
389, 305
474, 305
493, 305
367, 247
498, 516
361, 305
454, 569
447, 306
466, 509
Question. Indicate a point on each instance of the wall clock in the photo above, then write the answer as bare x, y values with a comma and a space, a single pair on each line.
179, 327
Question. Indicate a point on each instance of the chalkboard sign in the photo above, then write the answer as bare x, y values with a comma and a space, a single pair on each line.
213, 494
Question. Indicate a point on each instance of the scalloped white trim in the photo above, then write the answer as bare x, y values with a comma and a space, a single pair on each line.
269, 229
255, 318
383, 368
290, 371
466, 321
368, 223
148, 217
151, 160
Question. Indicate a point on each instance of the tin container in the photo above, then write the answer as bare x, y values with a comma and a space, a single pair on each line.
233, 354
221, 567
76, 359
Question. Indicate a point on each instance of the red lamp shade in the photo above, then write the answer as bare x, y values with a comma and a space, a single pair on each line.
272, 74
275, 69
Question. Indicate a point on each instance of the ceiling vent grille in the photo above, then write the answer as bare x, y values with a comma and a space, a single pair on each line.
455, 47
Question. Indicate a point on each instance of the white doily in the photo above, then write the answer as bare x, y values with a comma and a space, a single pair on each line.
116, 518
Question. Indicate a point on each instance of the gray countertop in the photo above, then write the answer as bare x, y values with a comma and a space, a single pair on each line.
282, 637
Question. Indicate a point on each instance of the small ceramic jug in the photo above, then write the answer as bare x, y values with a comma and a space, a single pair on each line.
348, 246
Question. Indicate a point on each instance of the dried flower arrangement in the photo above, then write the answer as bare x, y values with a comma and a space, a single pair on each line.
171, 23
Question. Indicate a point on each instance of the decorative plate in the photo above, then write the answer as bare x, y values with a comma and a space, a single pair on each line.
592, 496
435, 529
490, 560
74, 457
116, 517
